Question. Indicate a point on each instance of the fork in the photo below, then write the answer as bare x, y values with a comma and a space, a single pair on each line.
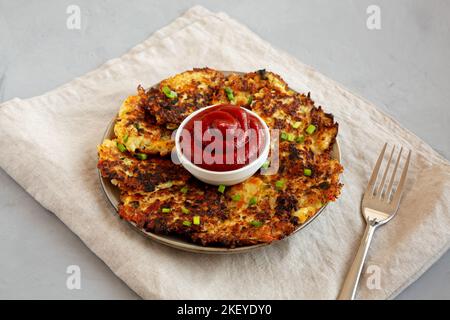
379, 205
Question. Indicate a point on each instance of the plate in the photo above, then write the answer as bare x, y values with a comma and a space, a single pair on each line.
112, 194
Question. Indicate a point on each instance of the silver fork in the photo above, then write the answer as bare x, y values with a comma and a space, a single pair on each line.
379, 205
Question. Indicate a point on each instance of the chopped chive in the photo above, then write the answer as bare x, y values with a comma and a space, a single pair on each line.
284, 136
184, 189
252, 201
187, 223
125, 138
236, 197
300, 139
221, 188
290, 137
136, 125
256, 223
296, 125
167, 184
266, 164
166, 90
279, 184
307, 172
196, 220
121, 147
141, 156
169, 93
185, 210
250, 100
311, 128
229, 93
166, 210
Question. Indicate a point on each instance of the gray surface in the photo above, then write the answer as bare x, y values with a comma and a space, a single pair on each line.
403, 68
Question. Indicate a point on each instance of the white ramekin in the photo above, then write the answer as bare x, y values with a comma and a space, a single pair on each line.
226, 178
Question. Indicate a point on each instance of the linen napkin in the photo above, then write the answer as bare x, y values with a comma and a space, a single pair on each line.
52, 142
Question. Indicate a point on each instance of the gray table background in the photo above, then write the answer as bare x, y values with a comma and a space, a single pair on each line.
404, 68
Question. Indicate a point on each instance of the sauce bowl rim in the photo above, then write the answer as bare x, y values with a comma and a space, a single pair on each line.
185, 161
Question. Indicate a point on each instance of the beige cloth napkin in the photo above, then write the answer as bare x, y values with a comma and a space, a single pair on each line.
50, 150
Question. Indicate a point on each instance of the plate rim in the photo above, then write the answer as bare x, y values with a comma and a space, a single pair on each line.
179, 243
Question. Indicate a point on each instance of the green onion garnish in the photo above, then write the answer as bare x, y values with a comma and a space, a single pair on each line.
307, 172
125, 138
167, 184
266, 164
196, 220
184, 210
221, 188
187, 223
311, 128
121, 147
284, 136
236, 197
169, 93
300, 139
290, 137
230, 94
184, 189
250, 100
256, 223
141, 156
165, 210
279, 184
252, 201
296, 125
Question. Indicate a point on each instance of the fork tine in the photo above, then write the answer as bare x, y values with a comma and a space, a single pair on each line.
381, 186
399, 191
391, 182
373, 177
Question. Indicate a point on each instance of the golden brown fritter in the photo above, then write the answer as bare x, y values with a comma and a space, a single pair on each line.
138, 132
132, 174
191, 90
244, 87
206, 216
171, 211
162, 197
292, 115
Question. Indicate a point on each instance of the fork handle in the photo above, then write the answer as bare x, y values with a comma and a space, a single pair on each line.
351, 281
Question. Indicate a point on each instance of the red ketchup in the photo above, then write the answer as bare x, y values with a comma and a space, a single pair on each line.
222, 138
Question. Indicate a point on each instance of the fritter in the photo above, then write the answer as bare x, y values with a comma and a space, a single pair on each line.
177, 97
135, 175
138, 131
200, 213
241, 89
297, 119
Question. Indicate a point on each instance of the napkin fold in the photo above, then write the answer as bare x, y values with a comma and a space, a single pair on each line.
51, 153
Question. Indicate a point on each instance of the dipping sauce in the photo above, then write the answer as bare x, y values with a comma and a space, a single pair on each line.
222, 138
